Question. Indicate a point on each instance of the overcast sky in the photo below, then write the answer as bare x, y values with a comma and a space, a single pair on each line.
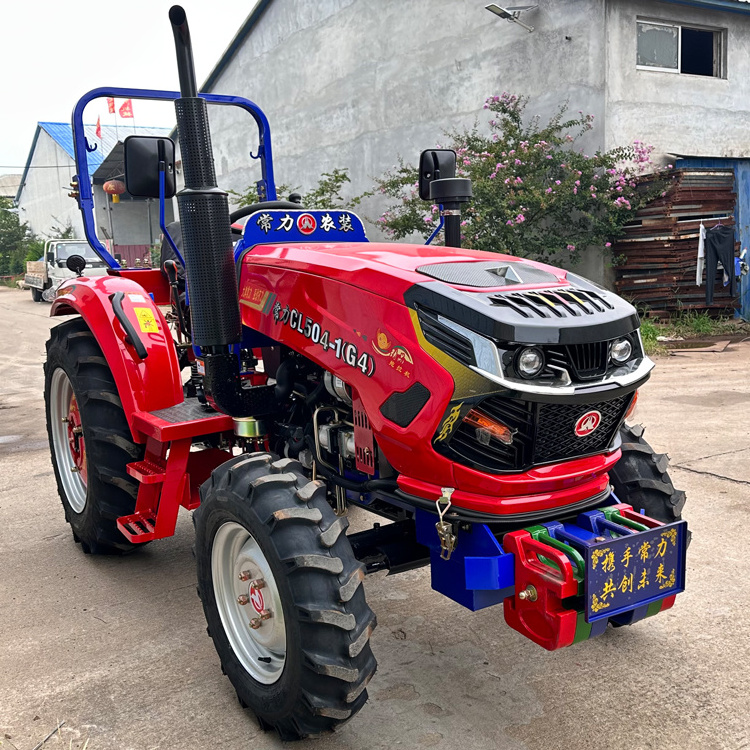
54, 52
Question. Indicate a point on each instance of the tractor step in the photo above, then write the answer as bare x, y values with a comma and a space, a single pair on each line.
138, 528
147, 472
185, 420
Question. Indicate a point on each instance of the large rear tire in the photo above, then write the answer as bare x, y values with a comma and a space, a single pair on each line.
640, 478
89, 439
296, 645
36, 294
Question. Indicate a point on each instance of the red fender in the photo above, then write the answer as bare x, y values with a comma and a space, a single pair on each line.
144, 385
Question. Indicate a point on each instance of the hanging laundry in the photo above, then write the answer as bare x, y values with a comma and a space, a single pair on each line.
719, 247
701, 255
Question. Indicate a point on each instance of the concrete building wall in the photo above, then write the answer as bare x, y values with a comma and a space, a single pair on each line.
683, 114
44, 202
355, 83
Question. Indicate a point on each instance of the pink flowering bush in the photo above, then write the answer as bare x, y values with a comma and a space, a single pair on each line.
535, 195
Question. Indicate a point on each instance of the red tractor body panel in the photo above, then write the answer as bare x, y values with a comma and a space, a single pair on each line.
342, 306
144, 385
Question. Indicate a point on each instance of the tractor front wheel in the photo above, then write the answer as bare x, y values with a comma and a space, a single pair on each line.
89, 439
282, 594
640, 478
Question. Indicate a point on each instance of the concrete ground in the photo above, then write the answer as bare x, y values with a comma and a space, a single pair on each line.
117, 648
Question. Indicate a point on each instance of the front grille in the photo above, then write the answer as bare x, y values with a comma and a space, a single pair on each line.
583, 361
556, 438
544, 433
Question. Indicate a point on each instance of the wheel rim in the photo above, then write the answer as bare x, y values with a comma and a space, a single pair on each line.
237, 563
67, 439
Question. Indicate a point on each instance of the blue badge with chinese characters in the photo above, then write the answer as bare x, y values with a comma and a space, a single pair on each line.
281, 225
629, 571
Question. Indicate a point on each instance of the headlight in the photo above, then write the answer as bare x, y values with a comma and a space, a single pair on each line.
530, 362
621, 351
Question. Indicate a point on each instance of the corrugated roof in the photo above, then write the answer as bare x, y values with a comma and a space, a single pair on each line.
62, 134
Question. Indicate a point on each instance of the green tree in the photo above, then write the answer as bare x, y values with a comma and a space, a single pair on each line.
326, 194
14, 237
535, 195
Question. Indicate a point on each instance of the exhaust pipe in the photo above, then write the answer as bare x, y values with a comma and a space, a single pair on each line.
207, 239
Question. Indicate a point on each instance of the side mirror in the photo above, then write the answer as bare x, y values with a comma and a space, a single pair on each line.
76, 264
143, 157
435, 164
50, 257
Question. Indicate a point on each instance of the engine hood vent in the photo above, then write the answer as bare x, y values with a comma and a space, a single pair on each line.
488, 274
551, 303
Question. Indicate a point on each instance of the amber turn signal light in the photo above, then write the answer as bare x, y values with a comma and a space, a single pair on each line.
487, 428
633, 404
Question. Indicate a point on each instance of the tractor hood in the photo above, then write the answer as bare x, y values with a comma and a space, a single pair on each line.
500, 296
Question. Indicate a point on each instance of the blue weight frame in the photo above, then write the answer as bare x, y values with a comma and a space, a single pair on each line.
266, 185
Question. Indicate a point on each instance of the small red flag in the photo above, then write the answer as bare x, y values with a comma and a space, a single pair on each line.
111, 105
126, 109
99, 128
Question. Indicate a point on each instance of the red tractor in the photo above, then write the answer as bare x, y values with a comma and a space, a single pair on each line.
475, 401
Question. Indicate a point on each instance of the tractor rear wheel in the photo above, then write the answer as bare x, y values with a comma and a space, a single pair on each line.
282, 594
640, 478
89, 439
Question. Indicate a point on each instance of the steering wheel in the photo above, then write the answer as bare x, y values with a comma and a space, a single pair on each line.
241, 213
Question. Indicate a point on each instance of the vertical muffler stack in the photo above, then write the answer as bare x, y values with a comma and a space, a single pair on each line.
204, 213
207, 240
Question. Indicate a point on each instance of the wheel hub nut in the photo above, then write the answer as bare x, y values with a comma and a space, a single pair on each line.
265, 614
258, 583
243, 599
255, 623
245, 575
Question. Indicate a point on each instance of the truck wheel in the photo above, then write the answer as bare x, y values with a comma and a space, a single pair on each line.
280, 588
89, 439
36, 294
640, 478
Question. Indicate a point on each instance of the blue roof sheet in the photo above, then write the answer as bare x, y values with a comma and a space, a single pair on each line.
62, 134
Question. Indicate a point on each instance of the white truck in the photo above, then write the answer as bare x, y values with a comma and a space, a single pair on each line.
45, 275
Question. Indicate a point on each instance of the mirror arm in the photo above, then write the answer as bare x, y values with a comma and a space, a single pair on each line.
437, 229
162, 222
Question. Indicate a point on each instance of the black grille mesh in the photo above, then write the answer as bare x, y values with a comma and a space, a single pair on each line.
401, 408
543, 433
556, 438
